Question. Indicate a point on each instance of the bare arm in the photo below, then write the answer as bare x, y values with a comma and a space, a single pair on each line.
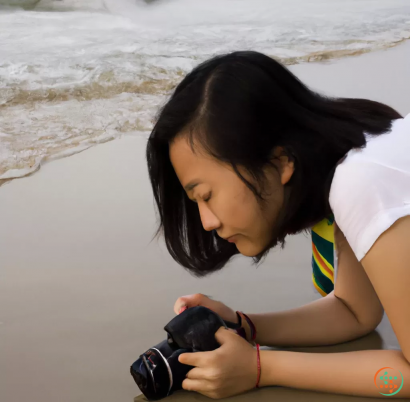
349, 373
355, 373
326, 321
349, 312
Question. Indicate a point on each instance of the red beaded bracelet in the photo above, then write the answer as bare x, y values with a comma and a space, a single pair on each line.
259, 365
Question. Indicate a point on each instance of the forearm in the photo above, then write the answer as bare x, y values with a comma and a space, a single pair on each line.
350, 373
326, 321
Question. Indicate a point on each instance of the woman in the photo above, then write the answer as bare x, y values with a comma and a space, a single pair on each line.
242, 155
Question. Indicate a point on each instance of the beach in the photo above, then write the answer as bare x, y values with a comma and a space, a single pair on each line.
83, 289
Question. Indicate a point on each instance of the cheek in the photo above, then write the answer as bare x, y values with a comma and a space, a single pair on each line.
240, 210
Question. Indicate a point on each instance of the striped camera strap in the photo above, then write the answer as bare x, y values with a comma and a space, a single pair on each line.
323, 256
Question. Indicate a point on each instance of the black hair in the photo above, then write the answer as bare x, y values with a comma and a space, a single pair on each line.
239, 107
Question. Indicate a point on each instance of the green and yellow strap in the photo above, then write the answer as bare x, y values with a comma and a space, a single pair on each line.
323, 256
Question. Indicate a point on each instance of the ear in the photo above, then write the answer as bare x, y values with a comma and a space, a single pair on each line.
284, 164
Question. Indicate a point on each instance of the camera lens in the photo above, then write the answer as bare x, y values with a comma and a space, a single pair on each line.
152, 374
139, 379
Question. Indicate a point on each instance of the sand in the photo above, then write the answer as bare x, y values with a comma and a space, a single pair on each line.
83, 290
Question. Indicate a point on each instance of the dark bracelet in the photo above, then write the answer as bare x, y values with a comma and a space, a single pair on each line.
252, 327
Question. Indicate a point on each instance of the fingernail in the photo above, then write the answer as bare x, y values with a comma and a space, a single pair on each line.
183, 308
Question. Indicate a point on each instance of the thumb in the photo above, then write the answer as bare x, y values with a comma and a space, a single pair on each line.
185, 302
182, 304
223, 335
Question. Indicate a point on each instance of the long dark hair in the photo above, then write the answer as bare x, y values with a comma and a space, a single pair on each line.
239, 107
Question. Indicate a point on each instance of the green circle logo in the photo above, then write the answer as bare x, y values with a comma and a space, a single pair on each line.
388, 380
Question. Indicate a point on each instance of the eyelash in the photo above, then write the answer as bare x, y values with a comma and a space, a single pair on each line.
209, 197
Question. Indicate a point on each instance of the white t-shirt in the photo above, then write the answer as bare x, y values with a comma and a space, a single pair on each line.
371, 187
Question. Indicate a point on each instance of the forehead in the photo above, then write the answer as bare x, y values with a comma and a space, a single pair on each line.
180, 151
189, 164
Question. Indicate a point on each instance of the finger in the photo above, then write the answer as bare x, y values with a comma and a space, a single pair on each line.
180, 303
188, 301
197, 374
197, 359
222, 335
182, 309
196, 385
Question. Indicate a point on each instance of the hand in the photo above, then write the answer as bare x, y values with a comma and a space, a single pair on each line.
226, 313
229, 370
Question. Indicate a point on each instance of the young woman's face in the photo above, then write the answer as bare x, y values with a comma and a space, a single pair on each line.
225, 203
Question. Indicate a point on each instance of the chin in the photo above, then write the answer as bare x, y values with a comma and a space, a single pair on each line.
248, 249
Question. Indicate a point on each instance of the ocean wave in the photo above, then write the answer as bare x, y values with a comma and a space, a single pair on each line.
93, 90
69, 80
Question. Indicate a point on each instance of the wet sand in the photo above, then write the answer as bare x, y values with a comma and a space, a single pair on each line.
83, 290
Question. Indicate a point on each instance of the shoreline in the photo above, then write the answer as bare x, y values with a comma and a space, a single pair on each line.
298, 64
335, 55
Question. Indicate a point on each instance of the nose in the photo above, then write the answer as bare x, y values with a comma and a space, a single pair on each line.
209, 220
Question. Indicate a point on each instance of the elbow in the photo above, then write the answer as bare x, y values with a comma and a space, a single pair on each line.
368, 317
372, 322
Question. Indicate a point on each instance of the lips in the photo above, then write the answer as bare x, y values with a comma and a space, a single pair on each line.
231, 239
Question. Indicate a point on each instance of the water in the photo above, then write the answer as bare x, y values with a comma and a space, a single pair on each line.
75, 73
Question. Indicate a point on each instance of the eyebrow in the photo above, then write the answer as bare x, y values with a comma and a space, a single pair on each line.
190, 186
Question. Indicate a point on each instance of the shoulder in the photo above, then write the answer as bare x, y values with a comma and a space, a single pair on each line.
351, 178
352, 197
383, 162
371, 188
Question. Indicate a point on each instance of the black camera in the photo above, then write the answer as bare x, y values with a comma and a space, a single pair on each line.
157, 372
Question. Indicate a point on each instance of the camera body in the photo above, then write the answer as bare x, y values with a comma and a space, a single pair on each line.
157, 372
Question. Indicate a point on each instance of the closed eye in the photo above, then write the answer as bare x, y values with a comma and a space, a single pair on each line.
205, 199
208, 198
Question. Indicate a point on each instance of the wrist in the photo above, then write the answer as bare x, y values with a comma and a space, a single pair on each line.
267, 363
